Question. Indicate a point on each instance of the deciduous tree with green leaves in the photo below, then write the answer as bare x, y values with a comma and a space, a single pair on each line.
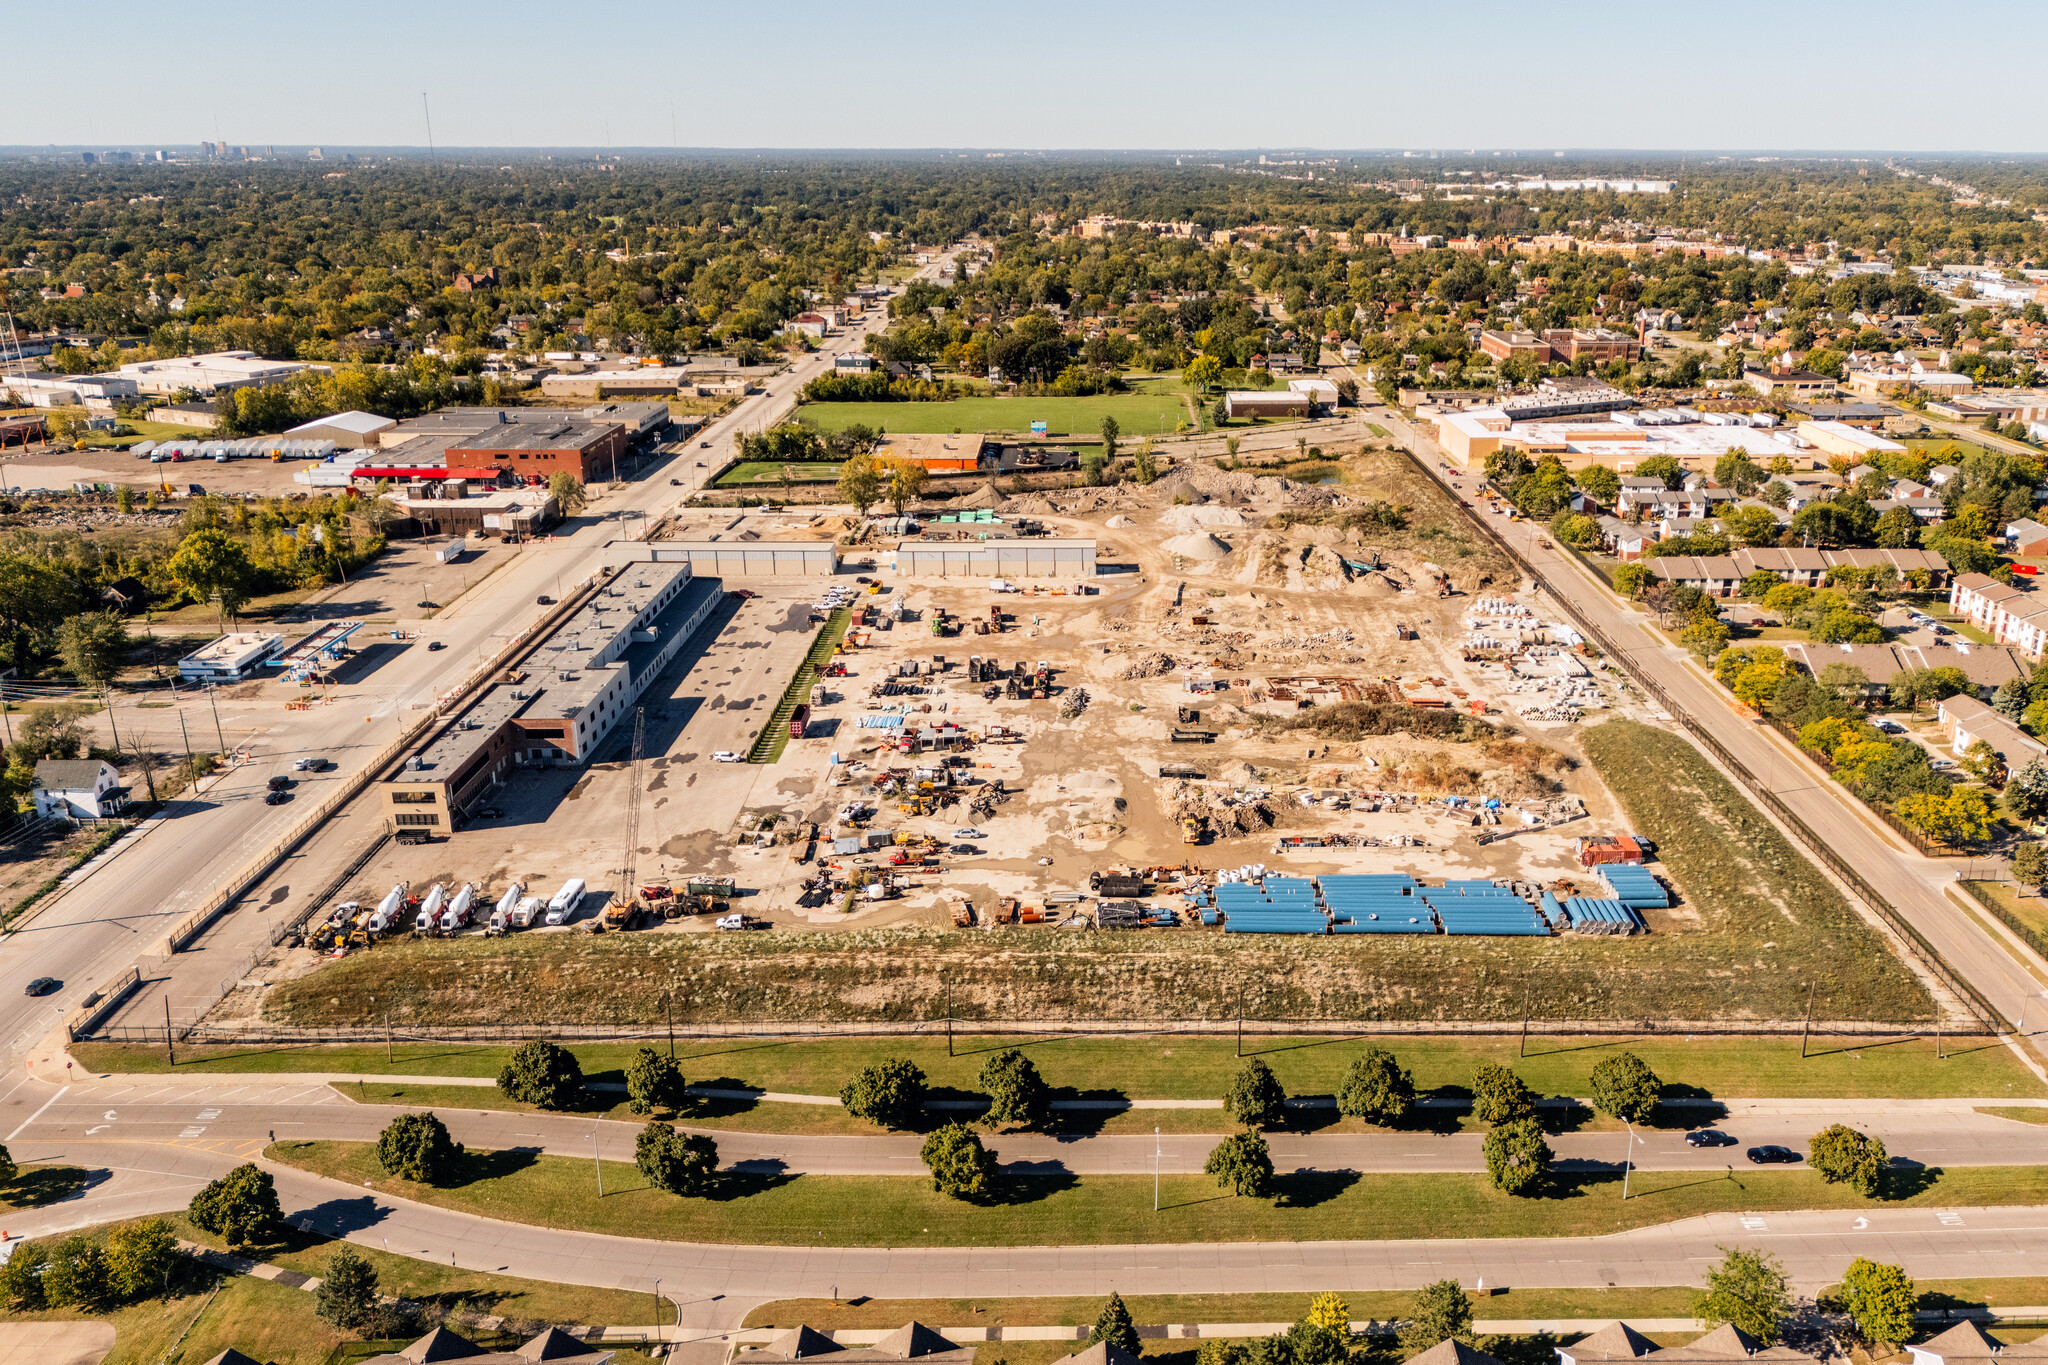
654, 1081
241, 1206
543, 1074
960, 1165
1844, 1156
1375, 1087
1624, 1087
861, 482
1881, 1300
1255, 1098
78, 1275
417, 1147
214, 567
140, 1257
1018, 1096
1517, 1157
1241, 1164
890, 1093
568, 492
681, 1163
94, 645
1749, 1289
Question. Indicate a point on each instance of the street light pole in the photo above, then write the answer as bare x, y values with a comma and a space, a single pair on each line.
1155, 1169
1628, 1160
218, 733
597, 1160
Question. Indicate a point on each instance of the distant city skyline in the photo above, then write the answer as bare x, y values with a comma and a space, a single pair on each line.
1063, 75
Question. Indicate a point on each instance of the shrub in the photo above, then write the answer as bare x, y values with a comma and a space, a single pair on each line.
241, 1206
681, 1163
141, 1255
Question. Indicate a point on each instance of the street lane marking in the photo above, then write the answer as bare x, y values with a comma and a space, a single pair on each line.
1950, 1219
38, 1114
1860, 1224
1755, 1225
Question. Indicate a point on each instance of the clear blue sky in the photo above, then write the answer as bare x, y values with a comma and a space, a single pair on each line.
1058, 74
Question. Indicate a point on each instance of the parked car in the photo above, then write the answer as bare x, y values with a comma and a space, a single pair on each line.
1889, 727
726, 756
544, 601
968, 832
43, 985
1773, 1155
963, 848
1709, 1137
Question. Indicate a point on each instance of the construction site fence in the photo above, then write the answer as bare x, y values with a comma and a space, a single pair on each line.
250, 1033
245, 878
1928, 956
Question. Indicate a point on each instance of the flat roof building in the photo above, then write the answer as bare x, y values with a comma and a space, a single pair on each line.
562, 701
1839, 438
231, 658
209, 373
348, 430
939, 453
1036, 558
1266, 403
531, 451
735, 558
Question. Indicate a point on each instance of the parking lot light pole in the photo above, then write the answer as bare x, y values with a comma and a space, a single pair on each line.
1628, 1160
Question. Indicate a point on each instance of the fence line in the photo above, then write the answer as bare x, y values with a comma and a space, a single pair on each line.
1917, 943
257, 1032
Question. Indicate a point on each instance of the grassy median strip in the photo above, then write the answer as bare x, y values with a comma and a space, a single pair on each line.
788, 1210
1192, 1067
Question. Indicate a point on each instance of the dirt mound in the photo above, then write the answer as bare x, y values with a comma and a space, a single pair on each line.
1191, 518
1120, 521
1223, 812
1198, 545
985, 496
1150, 666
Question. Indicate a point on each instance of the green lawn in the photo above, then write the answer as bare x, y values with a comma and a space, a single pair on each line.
896, 1211
1137, 414
1191, 1068
749, 472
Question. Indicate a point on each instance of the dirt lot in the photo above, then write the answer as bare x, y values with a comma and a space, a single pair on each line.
59, 470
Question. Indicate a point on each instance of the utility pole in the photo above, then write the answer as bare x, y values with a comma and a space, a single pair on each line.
949, 1016
668, 1008
1156, 1153
1628, 1161
1807, 1027
1524, 1052
597, 1160
218, 733
170, 1044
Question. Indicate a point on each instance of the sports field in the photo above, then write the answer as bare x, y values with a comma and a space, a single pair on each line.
1137, 414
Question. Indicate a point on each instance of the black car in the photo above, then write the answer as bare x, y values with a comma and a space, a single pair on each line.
1773, 1155
43, 985
1708, 1137
280, 783
964, 848
277, 798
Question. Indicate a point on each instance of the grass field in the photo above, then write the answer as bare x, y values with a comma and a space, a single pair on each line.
273, 1322
2030, 911
1185, 1068
1154, 413
1758, 897
748, 473
783, 1210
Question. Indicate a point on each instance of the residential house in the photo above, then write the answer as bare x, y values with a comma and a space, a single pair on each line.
1966, 720
552, 1347
1985, 666
853, 362
912, 1341
126, 594
1725, 1345
486, 278
78, 789
1968, 1344
1622, 539
1803, 566
1927, 511
811, 324
1714, 575
2028, 538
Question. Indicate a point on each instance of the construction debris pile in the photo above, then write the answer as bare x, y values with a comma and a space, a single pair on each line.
1155, 665
1224, 812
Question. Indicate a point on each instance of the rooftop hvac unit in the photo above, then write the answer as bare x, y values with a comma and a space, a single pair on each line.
416, 763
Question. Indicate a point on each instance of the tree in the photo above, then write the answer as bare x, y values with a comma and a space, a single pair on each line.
1442, 1312
1017, 1095
1844, 1156
348, 1291
1577, 530
1881, 1299
2010, 700
1633, 580
889, 1093
543, 1074
906, 481
1376, 1088
241, 1206
1255, 1098
1747, 1288
21, 1278
567, 491
1601, 482
33, 598
1662, 467
1329, 1312
78, 1274
94, 645
1751, 525
1499, 1096
213, 567
1517, 1157
1898, 529
1916, 687
1203, 373
861, 482
1144, 465
681, 1163
1981, 762
960, 1165
140, 1256
654, 1081
8, 1170
1113, 1325
2029, 864
1241, 1164
1624, 1087
1737, 471
1963, 816
1706, 638
417, 1147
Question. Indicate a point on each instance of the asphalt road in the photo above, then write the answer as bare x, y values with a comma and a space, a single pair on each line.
231, 1112
96, 930
1912, 883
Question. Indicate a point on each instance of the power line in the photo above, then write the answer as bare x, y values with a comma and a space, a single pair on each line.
430, 124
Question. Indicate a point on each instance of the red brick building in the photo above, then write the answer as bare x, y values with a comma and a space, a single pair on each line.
530, 451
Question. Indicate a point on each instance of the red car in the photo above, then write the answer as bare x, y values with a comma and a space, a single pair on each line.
742, 593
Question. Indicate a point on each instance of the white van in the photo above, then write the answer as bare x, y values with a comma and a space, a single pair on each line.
562, 908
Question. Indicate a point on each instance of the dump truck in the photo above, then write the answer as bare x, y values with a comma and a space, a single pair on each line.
799, 720
721, 887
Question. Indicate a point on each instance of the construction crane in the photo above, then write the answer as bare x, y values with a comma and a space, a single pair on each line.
623, 907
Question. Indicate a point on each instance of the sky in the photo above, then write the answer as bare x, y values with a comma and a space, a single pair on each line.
1809, 74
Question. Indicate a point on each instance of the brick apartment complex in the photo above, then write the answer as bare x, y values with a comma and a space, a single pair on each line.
1511, 345
1570, 344
531, 451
